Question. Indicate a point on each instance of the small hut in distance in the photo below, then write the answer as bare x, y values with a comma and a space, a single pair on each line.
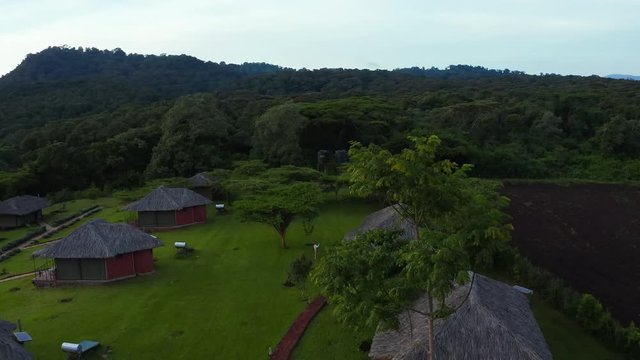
99, 251
204, 184
21, 210
170, 208
386, 218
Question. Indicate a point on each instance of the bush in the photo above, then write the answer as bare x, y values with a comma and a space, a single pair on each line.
585, 309
590, 313
299, 270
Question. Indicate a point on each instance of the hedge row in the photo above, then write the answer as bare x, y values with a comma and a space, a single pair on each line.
583, 308
8, 254
19, 241
69, 217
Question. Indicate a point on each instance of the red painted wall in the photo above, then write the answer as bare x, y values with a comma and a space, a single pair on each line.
191, 215
200, 213
143, 261
120, 266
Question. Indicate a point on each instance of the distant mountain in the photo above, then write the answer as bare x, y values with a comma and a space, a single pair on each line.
63, 82
623, 77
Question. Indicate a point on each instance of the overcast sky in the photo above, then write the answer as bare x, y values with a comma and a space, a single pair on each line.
552, 36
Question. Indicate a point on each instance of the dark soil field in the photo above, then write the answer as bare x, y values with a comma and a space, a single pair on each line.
587, 234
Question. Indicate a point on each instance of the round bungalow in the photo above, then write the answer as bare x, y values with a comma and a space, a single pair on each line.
21, 210
99, 251
170, 208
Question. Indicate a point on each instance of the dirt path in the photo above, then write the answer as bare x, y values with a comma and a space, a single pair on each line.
15, 277
293, 335
51, 229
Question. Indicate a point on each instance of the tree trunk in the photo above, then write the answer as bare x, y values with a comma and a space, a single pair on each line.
430, 352
283, 239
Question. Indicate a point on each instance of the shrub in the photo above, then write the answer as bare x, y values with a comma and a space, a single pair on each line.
590, 313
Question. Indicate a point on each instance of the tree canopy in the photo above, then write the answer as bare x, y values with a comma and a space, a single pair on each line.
461, 226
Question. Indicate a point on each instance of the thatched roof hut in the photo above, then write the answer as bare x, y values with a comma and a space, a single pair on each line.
9, 348
100, 251
21, 210
202, 180
493, 321
204, 184
387, 218
170, 207
99, 239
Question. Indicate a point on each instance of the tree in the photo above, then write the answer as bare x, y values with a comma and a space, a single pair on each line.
276, 137
278, 205
460, 226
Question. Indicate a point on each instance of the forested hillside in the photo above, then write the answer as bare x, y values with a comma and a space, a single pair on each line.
72, 118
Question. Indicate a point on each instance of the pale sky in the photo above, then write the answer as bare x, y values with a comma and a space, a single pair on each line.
551, 36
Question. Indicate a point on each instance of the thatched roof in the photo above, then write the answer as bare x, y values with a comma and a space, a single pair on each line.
202, 180
99, 239
493, 322
10, 349
22, 205
387, 218
167, 199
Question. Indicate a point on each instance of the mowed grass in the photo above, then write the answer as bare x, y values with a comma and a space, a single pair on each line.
225, 301
327, 338
566, 339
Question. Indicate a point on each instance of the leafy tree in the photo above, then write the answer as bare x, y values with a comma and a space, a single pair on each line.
276, 137
459, 222
277, 205
194, 134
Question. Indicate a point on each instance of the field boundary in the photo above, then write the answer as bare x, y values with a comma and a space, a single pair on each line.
293, 335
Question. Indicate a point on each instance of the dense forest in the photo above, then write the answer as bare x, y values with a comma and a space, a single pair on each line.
71, 118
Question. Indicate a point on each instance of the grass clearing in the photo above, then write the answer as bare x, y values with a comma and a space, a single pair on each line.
225, 301
566, 339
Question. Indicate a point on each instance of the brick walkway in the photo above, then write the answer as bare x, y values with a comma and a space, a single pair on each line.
293, 335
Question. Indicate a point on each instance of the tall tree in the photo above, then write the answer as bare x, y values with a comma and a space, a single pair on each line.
278, 205
460, 225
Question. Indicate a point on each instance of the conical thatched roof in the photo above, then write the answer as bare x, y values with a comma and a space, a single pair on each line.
494, 322
99, 239
10, 349
387, 218
202, 180
167, 199
22, 205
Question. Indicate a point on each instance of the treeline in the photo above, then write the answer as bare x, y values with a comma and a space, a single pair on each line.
72, 118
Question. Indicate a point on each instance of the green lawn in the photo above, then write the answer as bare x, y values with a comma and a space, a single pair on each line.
224, 302
566, 339
20, 263
327, 338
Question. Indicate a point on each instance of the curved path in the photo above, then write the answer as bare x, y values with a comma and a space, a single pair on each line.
293, 335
